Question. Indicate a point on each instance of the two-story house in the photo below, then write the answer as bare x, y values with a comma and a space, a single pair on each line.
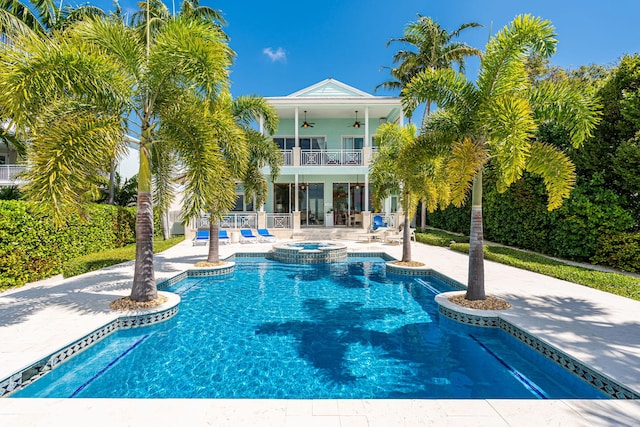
326, 135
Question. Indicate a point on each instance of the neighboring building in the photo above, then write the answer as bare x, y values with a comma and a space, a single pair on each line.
326, 134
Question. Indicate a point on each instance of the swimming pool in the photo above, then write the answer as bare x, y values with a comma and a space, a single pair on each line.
341, 330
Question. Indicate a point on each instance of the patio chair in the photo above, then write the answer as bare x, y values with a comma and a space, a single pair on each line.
378, 234
247, 236
202, 238
378, 222
265, 236
223, 237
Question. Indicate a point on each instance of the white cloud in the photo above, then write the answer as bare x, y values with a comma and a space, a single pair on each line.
278, 55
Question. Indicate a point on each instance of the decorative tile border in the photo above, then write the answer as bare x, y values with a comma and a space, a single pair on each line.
128, 320
492, 319
591, 376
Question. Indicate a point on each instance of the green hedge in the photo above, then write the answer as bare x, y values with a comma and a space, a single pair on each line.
577, 231
98, 260
32, 248
619, 284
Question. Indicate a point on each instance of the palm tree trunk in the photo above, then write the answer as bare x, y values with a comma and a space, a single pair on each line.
406, 240
406, 232
144, 282
112, 182
475, 288
214, 242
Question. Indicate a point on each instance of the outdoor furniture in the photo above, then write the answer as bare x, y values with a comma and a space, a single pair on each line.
378, 222
265, 236
247, 236
375, 235
223, 237
202, 238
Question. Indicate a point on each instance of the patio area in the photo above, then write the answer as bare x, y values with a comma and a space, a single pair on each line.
596, 328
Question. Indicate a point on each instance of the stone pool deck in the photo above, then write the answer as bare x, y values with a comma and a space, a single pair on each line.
599, 329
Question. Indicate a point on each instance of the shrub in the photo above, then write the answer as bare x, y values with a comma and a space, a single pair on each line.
439, 237
98, 260
32, 248
621, 250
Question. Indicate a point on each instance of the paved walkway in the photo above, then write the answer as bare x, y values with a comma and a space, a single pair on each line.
597, 328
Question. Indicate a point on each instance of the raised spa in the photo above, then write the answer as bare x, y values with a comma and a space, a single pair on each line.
308, 252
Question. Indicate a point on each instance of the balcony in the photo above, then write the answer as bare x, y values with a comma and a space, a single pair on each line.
297, 157
9, 174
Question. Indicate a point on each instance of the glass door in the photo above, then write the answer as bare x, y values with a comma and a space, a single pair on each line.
340, 203
311, 198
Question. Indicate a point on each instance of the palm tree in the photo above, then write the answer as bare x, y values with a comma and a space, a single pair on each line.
402, 166
44, 15
166, 87
428, 46
495, 121
262, 151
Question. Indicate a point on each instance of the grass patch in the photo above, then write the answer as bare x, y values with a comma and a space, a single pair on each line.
98, 260
439, 237
615, 283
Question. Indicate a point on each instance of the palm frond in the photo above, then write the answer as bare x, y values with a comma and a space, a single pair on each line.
247, 109
71, 145
510, 126
571, 107
502, 65
445, 87
467, 159
556, 170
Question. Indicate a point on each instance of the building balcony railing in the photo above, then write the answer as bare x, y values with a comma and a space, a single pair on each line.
322, 157
9, 173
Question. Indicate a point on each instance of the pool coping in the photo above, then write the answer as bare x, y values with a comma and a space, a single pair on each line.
145, 317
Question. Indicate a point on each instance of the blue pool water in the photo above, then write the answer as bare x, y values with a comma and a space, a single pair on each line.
340, 330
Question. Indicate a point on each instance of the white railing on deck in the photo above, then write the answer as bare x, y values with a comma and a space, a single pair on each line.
9, 173
331, 158
233, 220
287, 157
279, 220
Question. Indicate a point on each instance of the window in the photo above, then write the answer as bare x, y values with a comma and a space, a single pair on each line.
313, 143
352, 142
3, 159
242, 205
285, 143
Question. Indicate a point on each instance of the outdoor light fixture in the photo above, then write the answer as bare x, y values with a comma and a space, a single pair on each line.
356, 124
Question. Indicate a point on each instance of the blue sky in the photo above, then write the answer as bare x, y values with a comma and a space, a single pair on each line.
284, 46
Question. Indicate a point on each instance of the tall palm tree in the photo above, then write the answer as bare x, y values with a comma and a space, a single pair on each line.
429, 46
403, 166
45, 15
261, 152
165, 87
495, 120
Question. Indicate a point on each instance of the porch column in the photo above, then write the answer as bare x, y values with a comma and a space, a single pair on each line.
366, 127
261, 123
401, 117
295, 190
366, 192
295, 131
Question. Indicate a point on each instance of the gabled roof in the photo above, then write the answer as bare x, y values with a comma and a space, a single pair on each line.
330, 88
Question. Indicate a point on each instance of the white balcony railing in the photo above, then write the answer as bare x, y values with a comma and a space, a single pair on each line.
331, 158
287, 157
233, 220
279, 220
9, 173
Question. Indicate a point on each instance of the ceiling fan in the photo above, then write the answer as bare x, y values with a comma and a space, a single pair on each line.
305, 124
356, 124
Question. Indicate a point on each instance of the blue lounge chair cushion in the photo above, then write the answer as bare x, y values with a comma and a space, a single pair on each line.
378, 223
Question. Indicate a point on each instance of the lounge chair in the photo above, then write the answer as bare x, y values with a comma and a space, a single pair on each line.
223, 237
247, 236
265, 236
202, 238
378, 222
375, 235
